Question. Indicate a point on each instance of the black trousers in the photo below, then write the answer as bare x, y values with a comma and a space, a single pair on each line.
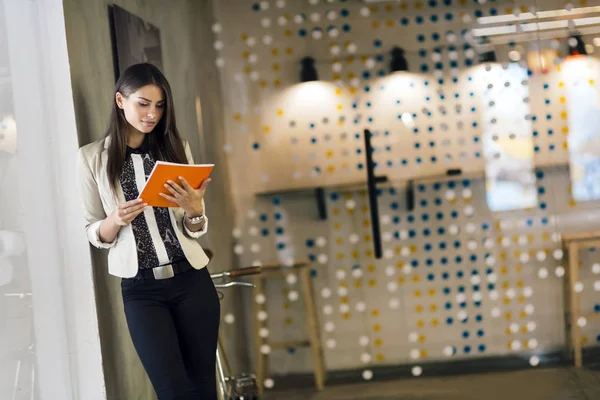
174, 326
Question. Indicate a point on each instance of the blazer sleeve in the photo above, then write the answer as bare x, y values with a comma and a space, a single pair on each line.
92, 204
201, 232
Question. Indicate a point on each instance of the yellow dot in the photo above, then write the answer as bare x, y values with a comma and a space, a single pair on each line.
521, 300
329, 153
401, 280
375, 313
400, 264
369, 253
379, 357
565, 130
337, 226
286, 305
558, 68
374, 9
419, 308
417, 293
365, 208
339, 241
565, 145
432, 292
421, 338
244, 36
376, 327
368, 238
338, 92
413, 249
507, 316
355, 254
276, 82
344, 300
562, 99
275, 51
418, 5
433, 308
267, 129
237, 116
508, 331
420, 323
378, 342
280, 112
372, 282
390, 23
403, 6
371, 268
416, 278
563, 115
330, 169
561, 84
289, 51
592, 81
388, 7
262, 84
340, 256
572, 203
375, 24
506, 300
366, 223
346, 315
289, 320
247, 69
287, 33
358, 284
340, 107
523, 314
335, 211
435, 322
423, 353
584, 340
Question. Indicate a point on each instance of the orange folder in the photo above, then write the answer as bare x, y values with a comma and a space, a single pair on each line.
163, 171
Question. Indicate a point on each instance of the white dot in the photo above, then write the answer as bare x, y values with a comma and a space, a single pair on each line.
477, 296
462, 315
450, 195
317, 34
351, 48
327, 309
350, 204
596, 268
291, 279
263, 332
342, 291
315, 17
280, 3
407, 269
238, 249
267, 40
266, 22
282, 21
365, 358
559, 271
363, 341
298, 18
492, 278
558, 254
344, 308
392, 286
531, 326
394, 303
269, 383
390, 270
470, 227
340, 274
218, 45
236, 233
370, 63
357, 273
229, 318
495, 312
541, 255
490, 261
220, 62
329, 326
529, 309
534, 361
265, 349
254, 75
494, 295
365, 12
321, 241
251, 41
524, 257
367, 374
322, 258
417, 371
569, 6
460, 298
360, 306
542, 273
326, 293
448, 351
505, 241
597, 286
514, 327
264, 5
262, 315
578, 287
255, 247
413, 337
516, 345
415, 354
354, 238
532, 343
216, 28
331, 343
453, 229
293, 295
331, 15
581, 322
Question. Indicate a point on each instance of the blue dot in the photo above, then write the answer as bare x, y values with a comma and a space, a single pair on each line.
255, 7
467, 349
419, 19
346, 27
412, 233
256, 146
313, 272
414, 263
265, 232
279, 230
448, 305
465, 334
478, 318
264, 217
449, 321
429, 262
404, 21
480, 333
280, 246
344, 12
430, 277
277, 216
435, 36
377, 43
481, 348
446, 290
443, 260
302, 32
421, 38
445, 275
460, 274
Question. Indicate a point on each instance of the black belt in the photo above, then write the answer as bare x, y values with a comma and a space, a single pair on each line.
164, 271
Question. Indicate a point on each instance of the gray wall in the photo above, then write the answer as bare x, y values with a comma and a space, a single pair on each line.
188, 60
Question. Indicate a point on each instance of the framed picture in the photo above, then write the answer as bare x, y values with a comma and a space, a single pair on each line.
133, 40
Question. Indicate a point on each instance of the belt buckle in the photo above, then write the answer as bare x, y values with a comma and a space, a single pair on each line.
163, 272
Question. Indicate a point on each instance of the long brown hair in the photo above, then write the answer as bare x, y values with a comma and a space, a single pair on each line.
164, 141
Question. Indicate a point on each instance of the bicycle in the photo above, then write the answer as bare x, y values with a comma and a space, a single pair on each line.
242, 386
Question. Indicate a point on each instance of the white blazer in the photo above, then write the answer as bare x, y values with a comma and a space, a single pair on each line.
99, 201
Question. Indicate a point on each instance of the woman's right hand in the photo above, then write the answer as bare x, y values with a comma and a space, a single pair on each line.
128, 211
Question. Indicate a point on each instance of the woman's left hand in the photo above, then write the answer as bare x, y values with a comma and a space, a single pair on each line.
186, 197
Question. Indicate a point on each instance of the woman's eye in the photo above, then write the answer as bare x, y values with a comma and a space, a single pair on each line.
143, 104
160, 105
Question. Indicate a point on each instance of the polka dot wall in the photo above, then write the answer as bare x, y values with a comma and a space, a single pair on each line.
460, 276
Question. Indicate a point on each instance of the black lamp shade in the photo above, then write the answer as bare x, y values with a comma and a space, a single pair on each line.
579, 48
398, 62
308, 72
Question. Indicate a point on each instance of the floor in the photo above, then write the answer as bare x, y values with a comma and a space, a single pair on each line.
532, 384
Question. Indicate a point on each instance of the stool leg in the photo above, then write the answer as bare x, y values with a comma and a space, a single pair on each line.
313, 328
260, 358
574, 297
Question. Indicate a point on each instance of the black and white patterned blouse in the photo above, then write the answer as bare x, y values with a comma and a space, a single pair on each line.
154, 229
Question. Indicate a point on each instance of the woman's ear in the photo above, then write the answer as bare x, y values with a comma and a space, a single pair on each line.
119, 100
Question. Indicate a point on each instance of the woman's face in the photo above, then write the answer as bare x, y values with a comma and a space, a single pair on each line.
143, 108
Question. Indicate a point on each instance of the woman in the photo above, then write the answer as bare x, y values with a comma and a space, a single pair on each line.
171, 305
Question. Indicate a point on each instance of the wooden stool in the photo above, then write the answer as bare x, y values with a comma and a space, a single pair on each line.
314, 341
573, 242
